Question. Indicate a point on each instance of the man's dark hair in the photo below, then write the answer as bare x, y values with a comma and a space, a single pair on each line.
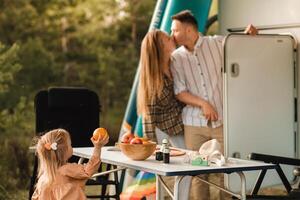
186, 16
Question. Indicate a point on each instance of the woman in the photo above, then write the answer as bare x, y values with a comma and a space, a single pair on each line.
157, 104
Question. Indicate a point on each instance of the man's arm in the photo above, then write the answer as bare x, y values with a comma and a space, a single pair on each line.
190, 99
251, 30
186, 97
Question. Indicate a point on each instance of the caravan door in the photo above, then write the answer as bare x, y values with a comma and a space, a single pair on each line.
259, 100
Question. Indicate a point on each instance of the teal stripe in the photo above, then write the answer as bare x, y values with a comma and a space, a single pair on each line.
200, 9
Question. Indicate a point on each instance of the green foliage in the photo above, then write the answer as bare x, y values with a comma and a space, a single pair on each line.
38, 71
8, 66
16, 130
37, 62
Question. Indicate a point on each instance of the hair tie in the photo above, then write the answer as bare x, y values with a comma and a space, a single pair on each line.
52, 146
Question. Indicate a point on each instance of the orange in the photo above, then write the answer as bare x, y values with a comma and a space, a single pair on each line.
127, 137
100, 132
136, 140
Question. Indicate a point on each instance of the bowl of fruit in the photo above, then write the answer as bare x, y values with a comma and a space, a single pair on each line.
136, 148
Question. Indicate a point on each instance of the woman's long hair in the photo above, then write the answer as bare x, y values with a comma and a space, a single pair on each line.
50, 159
151, 70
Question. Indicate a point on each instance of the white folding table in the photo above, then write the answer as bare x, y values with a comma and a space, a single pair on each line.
177, 168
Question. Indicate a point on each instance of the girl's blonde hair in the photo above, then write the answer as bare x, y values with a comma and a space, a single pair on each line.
151, 70
50, 159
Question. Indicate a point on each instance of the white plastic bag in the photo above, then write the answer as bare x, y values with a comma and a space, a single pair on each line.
212, 149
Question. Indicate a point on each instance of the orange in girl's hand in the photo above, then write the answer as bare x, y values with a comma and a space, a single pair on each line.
100, 132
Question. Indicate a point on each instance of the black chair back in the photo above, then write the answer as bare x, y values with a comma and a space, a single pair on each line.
74, 109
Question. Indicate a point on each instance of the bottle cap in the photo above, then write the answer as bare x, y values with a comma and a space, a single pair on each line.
165, 141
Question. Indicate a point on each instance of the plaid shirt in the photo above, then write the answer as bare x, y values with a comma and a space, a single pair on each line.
164, 113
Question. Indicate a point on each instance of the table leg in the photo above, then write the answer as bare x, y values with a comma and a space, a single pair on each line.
178, 179
242, 194
80, 161
165, 187
159, 189
243, 185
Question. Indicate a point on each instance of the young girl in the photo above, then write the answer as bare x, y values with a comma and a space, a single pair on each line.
58, 179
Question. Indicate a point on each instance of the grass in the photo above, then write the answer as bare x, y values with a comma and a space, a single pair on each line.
23, 194
16, 195
93, 190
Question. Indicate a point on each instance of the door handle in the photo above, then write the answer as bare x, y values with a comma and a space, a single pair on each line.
234, 69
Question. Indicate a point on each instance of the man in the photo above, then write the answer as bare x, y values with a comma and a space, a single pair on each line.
197, 71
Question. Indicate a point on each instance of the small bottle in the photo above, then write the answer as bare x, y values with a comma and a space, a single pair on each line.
159, 154
166, 151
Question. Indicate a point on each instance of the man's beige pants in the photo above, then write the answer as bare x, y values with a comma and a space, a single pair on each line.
194, 137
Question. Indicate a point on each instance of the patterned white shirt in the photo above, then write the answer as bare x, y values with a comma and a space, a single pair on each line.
200, 73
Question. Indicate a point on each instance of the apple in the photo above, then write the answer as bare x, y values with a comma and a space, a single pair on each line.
100, 132
136, 140
127, 137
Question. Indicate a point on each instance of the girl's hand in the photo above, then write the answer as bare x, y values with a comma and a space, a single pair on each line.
100, 142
